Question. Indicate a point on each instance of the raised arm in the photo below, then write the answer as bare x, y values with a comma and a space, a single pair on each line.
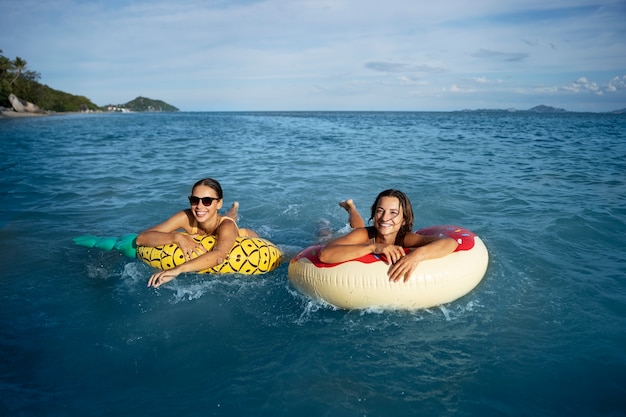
353, 245
169, 232
166, 232
356, 244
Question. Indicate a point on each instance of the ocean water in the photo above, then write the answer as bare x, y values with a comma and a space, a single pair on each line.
544, 333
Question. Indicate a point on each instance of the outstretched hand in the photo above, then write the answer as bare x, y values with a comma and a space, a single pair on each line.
159, 278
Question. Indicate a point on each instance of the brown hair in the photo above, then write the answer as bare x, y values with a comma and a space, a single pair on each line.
210, 182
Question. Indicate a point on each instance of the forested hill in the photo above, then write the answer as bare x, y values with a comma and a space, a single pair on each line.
146, 104
17, 79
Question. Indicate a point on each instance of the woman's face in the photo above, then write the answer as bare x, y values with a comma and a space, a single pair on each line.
388, 217
203, 211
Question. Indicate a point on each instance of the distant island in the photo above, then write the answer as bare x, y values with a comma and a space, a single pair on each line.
537, 109
141, 104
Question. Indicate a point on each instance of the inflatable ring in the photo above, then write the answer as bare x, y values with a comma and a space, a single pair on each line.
249, 255
363, 282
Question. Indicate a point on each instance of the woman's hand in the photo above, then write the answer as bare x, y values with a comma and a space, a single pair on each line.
393, 253
403, 268
189, 246
402, 265
159, 278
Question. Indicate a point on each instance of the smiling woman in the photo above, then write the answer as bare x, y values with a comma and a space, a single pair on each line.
386, 265
197, 239
202, 219
392, 214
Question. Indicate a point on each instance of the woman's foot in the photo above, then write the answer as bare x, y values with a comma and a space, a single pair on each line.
233, 211
348, 205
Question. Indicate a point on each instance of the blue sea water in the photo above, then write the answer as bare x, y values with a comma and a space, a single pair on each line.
544, 333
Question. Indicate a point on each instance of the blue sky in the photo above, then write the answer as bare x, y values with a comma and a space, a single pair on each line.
326, 54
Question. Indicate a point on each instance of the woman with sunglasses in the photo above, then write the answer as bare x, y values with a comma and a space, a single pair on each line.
392, 215
202, 218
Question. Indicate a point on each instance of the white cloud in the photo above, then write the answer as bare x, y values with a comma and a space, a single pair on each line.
616, 84
485, 80
457, 89
583, 85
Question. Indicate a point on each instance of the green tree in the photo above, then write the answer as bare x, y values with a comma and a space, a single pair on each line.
16, 78
5, 66
19, 65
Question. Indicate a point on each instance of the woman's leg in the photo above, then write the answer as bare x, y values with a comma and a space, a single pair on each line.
354, 217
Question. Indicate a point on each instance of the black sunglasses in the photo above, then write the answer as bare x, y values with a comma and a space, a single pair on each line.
207, 201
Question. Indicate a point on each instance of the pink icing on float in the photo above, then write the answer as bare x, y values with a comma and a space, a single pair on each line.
363, 282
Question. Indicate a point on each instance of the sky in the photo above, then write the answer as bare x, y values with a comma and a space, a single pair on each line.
301, 55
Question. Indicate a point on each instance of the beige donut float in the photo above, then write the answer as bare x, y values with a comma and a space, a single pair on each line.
364, 283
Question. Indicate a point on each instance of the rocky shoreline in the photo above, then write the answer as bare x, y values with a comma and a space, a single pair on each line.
22, 108
25, 109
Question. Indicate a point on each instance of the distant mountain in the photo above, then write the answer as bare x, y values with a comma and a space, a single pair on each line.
546, 109
537, 109
143, 104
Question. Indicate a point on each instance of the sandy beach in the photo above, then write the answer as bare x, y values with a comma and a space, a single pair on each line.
14, 114
11, 114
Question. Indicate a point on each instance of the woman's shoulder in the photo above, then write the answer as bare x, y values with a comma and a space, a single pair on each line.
225, 220
413, 239
178, 220
371, 231
183, 220
227, 223
186, 216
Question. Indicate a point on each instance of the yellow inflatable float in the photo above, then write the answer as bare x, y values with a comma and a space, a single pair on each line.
363, 282
249, 255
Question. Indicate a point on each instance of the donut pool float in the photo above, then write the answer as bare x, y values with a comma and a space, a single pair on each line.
364, 283
249, 255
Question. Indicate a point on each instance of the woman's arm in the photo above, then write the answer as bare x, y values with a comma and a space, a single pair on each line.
356, 244
166, 232
353, 245
426, 247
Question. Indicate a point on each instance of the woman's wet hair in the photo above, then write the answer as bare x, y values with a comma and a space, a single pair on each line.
407, 211
210, 182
